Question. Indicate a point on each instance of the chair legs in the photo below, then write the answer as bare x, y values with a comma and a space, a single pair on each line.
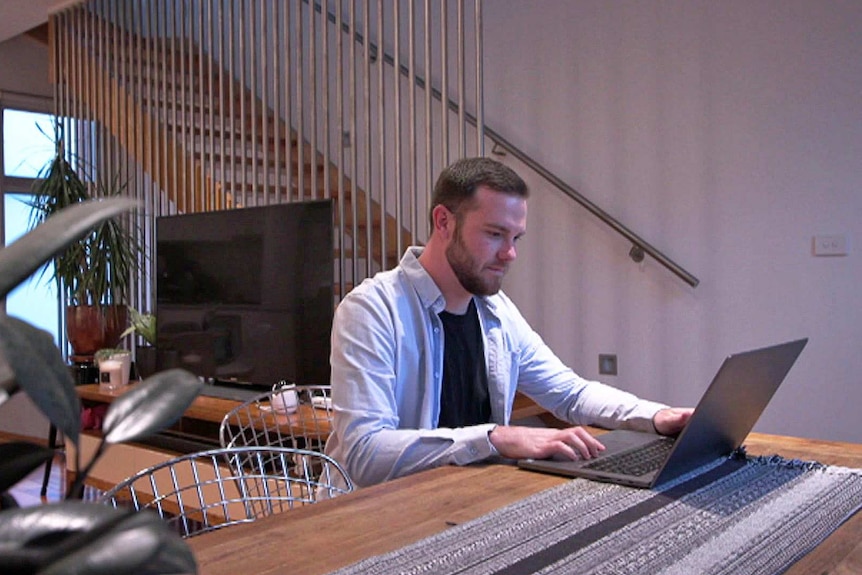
52, 444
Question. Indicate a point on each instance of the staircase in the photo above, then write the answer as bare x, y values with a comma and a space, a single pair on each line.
217, 104
228, 152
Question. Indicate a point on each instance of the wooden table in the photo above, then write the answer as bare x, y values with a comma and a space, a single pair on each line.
331, 534
196, 430
203, 408
204, 416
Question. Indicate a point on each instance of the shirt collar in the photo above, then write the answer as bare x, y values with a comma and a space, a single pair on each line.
428, 292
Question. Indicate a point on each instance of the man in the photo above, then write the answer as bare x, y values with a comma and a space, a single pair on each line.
427, 357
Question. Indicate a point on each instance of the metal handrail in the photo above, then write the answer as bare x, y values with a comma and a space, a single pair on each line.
639, 245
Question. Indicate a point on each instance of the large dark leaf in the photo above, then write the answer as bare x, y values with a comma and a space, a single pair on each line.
141, 545
39, 370
174, 557
150, 406
120, 551
88, 538
18, 460
29, 525
21, 258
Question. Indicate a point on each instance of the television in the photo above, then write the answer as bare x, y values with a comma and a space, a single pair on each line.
245, 296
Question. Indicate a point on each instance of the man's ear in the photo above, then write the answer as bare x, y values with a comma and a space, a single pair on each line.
443, 219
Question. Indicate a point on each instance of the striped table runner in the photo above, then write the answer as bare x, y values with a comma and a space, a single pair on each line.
734, 517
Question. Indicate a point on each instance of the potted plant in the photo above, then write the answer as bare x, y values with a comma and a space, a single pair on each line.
93, 273
143, 324
74, 536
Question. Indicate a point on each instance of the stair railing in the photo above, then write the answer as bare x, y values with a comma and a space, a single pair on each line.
640, 247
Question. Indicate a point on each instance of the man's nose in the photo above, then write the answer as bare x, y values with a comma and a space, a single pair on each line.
509, 252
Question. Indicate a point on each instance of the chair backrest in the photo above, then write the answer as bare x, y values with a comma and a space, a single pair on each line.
254, 422
208, 490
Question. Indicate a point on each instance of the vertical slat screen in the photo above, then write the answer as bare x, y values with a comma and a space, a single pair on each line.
219, 104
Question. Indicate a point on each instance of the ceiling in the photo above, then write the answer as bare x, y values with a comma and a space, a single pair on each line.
18, 16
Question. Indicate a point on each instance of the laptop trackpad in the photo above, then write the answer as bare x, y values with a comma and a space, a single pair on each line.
623, 439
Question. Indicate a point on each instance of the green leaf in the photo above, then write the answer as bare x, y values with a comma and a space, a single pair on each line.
150, 406
20, 259
19, 459
80, 538
33, 525
39, 370
144, 324
142, 544
174, 556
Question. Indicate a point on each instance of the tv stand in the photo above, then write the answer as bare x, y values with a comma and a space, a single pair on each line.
197, 429
179, 442
232, 390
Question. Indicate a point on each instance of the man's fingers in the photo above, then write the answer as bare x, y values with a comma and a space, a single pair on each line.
516, 442
565, 452
670, 421
583, 443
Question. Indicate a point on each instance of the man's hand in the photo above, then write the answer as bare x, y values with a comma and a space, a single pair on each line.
514, 442
671, 420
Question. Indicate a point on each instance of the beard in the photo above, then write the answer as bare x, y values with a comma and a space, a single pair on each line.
468, 270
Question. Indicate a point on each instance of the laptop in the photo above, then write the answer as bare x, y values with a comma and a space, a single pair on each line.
723, 418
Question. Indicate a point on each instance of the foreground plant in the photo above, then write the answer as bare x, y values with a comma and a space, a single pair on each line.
74, 537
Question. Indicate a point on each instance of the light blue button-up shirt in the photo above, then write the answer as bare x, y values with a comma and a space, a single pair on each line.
387, 361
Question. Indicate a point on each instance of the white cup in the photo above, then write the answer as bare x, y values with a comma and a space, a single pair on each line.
284, 399
111, 374
114, 370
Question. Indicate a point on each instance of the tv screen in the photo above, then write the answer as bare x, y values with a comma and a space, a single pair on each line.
246, 295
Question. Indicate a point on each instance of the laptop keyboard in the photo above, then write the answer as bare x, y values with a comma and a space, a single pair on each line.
636, 462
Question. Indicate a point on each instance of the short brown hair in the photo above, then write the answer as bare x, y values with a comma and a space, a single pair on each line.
459, 181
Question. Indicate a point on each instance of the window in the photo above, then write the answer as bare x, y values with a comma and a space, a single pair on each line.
27, 143
25, 149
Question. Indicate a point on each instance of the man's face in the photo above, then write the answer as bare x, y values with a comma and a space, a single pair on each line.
483, 243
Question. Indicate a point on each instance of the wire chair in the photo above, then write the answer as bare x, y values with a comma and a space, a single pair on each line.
209, 490
256, 423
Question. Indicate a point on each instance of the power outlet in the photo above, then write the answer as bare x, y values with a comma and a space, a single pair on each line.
607, 364
830, 245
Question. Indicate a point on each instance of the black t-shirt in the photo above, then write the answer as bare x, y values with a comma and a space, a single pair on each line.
464, 400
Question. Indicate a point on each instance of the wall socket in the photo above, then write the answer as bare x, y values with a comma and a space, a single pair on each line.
830, 245
607, 364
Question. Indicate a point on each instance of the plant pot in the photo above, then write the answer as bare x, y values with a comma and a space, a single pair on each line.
167, 359
145, 360
93, 327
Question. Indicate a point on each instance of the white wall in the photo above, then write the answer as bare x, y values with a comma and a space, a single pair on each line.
24, 67
726, 134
